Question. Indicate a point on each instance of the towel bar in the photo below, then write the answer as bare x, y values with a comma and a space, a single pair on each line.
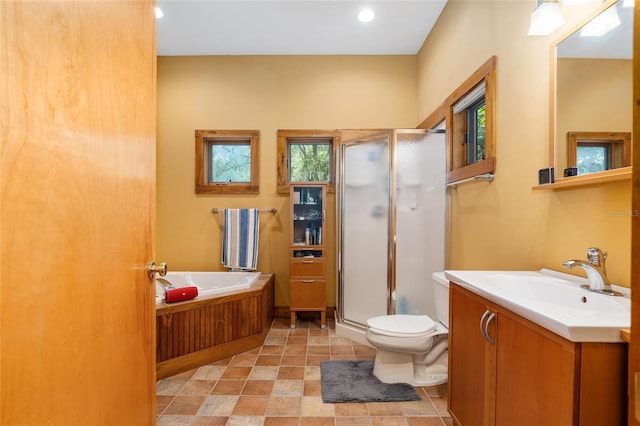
273, 210
486, 177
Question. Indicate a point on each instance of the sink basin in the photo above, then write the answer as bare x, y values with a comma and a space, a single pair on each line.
553, 300
559, 293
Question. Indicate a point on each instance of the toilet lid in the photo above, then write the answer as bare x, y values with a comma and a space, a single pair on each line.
402, 325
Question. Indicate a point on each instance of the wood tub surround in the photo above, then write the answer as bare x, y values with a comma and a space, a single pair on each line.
197, 332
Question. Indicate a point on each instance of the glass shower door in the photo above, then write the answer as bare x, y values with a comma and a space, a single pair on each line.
364, 229
420, 206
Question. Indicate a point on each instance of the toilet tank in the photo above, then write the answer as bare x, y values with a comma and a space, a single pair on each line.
441, 297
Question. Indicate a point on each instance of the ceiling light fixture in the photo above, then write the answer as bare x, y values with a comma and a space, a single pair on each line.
602, 24
159, 13
366, 15
546, 18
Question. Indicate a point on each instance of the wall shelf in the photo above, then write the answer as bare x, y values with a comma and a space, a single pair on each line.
623, 173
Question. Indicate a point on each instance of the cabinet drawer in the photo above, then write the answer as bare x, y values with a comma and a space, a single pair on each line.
307, 267
307, 294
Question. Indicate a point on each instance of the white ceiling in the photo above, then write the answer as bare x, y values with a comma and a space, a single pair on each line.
294, 27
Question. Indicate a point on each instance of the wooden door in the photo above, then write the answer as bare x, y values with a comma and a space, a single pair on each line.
634, 346
471, 361
77, 205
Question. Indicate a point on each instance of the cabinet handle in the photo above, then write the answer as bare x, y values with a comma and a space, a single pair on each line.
486, 328
307, 261
307, 281
486, 319
482, 328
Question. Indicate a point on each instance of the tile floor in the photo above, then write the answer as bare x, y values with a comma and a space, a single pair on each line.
279, 384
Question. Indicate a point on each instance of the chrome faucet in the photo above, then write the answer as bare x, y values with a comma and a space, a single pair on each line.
595, 268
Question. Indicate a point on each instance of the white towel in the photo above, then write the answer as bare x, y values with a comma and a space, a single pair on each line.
240, 239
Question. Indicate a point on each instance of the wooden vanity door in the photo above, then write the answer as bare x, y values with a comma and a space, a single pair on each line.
471, 370
535, 374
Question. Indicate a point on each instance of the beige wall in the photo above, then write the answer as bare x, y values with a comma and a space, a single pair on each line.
266, 93
504, 224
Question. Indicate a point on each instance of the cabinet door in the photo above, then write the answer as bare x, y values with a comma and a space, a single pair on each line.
535, 373
307, 217
471, 361
307, 294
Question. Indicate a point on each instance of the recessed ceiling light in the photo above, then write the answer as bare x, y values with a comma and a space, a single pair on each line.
159, 13
366, 15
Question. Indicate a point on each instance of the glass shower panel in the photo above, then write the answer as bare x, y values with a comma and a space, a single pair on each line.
420, 218
364, 218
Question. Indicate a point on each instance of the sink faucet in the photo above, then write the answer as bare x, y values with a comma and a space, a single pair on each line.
595, 268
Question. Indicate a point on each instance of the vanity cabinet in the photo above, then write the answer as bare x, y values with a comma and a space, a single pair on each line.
505, 370
307, 261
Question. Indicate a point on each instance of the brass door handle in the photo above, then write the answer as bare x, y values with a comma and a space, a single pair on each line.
161, 270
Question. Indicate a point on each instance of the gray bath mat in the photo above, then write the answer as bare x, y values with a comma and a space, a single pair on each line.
353, 381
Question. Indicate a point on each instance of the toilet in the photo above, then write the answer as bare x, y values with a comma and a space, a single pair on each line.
413, 348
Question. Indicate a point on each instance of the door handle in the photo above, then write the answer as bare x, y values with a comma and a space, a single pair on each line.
153, 269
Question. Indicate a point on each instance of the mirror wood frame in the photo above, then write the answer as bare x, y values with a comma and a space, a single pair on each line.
617, 174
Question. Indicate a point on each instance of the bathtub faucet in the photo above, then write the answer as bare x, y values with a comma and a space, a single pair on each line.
595, 268
165, 283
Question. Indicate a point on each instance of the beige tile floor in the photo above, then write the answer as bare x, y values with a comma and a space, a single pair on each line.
279, 384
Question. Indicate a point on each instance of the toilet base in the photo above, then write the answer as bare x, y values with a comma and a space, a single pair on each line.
395, 367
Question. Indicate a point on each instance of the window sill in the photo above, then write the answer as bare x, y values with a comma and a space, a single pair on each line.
623, 173
482, 167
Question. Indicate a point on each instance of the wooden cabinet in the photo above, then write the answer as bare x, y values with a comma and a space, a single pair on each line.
506, 370
307, 271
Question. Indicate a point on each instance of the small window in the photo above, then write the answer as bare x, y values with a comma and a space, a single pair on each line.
476, 132
309, 160
227, 161
593, 158
469, 113
306, 156
592, 152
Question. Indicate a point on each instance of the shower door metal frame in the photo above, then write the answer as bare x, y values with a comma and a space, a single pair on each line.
391, 221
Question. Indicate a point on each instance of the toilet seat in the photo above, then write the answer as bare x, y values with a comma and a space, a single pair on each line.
402, 325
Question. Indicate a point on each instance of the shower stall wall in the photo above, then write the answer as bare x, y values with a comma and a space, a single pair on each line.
390, 224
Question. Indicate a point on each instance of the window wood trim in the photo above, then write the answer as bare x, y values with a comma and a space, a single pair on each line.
202, 138
457, 169
283, 156
435, 118
620, 143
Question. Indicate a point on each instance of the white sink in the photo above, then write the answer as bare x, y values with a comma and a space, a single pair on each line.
553, 300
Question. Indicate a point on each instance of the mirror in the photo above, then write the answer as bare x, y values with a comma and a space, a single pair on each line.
592, 109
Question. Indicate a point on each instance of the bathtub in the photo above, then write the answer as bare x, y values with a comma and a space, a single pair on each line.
232, 314
208, 283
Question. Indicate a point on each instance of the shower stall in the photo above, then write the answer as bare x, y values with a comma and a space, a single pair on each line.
391, 204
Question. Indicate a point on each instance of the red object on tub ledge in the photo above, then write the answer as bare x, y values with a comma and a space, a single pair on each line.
180, 294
